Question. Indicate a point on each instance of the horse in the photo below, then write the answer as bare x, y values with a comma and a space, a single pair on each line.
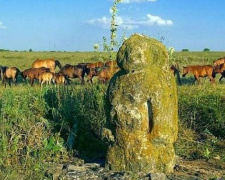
91, 72
200, 71
10, 73
98, 64
46, 77
176, 72
219, 61
106, 73
111, 63
2, 71
34, 73
220, 69
73, 71
47, 63
59, 78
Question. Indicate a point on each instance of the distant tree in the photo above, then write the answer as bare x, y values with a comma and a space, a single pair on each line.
185, 50
30, 50
206, 50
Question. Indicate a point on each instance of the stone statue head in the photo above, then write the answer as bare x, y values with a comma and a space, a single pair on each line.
140, 52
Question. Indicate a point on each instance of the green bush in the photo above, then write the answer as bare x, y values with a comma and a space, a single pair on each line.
203, 109
185, 50
26, 138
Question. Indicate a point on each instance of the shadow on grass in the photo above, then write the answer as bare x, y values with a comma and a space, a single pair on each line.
77, 113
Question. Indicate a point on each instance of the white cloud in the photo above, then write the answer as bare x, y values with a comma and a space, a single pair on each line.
156, 20
2, 26
130, 1
130, 24
103, 22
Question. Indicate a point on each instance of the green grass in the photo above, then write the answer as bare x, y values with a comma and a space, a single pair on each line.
24, 60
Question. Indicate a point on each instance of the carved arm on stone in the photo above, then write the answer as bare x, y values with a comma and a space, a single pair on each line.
107, 135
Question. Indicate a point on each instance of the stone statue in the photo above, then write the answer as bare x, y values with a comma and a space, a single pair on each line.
143, 109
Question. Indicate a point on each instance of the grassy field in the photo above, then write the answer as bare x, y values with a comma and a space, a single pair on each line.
24, 60
36, 124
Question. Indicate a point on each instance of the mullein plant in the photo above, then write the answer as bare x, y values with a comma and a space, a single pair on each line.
113, 28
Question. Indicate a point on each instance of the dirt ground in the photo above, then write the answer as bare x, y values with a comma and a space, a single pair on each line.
200, 169
184, 170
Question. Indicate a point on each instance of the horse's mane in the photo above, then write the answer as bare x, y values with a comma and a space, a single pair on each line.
57, 63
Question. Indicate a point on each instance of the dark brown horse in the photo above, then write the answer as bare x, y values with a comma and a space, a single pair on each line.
200, 71
73, 71
34, 73
2, 71
10, 74
47, 63
91, 72
176, 72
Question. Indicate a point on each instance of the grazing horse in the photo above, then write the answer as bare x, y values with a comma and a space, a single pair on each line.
176, 72
10, 73
34, 73
219, 61
47, 63
200, 71
46, 77
73, 71
220, 69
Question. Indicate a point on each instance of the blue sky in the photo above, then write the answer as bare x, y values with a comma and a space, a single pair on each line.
76, 25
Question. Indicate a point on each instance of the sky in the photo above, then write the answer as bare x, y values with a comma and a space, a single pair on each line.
76, 25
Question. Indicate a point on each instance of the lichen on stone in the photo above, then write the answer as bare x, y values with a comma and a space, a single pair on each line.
143, 112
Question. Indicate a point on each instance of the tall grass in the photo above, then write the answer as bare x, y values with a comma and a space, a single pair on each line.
26, 137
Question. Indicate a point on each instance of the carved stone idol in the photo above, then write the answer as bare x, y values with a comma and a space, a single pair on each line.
143, 109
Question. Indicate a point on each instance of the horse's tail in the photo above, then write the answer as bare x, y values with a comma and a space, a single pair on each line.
213, 73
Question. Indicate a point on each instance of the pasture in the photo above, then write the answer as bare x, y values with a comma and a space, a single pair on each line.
37, 123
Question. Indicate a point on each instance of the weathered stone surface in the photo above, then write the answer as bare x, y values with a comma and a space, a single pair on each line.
143, 116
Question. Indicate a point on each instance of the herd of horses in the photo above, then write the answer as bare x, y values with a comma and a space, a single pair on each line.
209, 71
44, 71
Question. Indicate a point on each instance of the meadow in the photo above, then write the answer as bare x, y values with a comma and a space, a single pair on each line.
40, 127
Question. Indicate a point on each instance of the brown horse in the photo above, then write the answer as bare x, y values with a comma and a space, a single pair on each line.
34, 73
59, 78
219, 61
47, 63
106, 73
220, 69
10, 73
91, 72
95, 65
73, 71
200, 71
112, 63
